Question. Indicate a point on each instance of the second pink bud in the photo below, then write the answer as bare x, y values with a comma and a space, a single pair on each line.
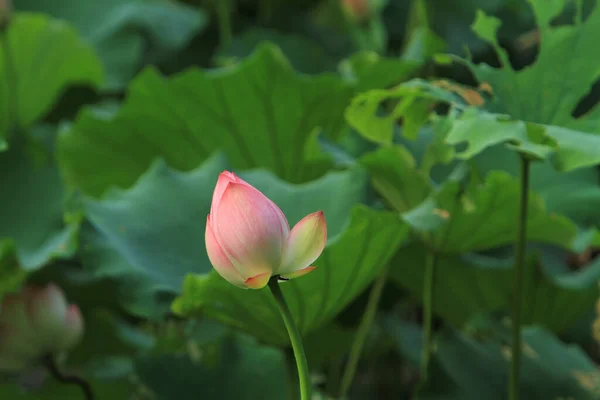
35, 323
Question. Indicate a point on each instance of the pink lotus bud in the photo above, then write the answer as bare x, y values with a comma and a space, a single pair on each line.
34, 323
248, 238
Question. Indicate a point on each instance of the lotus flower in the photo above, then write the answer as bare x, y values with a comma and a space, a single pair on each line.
34, 323
248, 239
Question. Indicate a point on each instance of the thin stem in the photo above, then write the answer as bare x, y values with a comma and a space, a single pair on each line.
515, 367
224, 20
430, 262
362, 333
295, 339
50, 364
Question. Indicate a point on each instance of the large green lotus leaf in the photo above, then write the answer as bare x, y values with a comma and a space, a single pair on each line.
158, 225
259, 112
538, 98
368, 70
567, 149
476, 367
395, 176
541, 93
411, 101
242, 370
32, 208
132, 288
348, 264
44, 57
124, 32
107, 336
484, 216
574, 194
468, 285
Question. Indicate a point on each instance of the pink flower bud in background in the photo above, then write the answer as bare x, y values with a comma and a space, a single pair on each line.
358, 9
248, 238
5, 11
34, 323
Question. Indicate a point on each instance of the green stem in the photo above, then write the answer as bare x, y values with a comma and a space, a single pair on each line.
224, 20
515, 367
430, 262
362, 333
295, 339
83, 385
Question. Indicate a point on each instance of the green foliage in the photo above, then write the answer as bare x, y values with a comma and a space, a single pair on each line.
126, 34
531, 110
258, 371
305, 55
156, 224
472, 284
460, 361
349, 262
540, 93
567, 149
117, 117
37, 203
482, 216
55, 391
370, 71
394, 176
187, 117
39, 58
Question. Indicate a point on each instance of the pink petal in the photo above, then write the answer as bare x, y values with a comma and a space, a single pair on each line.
248, 227
237, 179
258, 281
17, 338
227, 177
305, 244
73, 328
224, 179
47, 310
285, 226
299, 272
219, 259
